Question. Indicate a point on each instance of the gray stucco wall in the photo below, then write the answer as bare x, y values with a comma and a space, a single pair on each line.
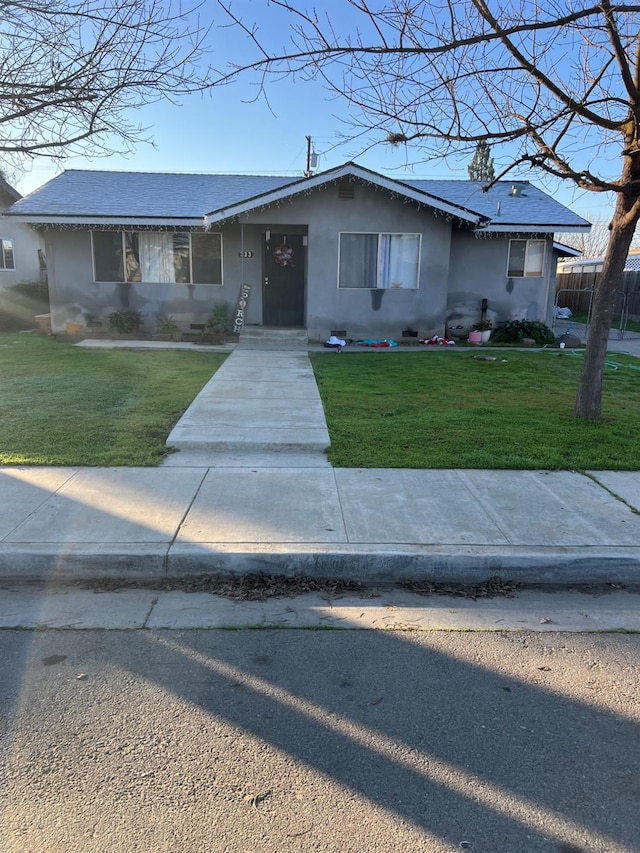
479, 270
26, 243
361, 312
73, 292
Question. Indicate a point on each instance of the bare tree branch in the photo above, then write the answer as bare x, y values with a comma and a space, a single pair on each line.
548, 87
72, 70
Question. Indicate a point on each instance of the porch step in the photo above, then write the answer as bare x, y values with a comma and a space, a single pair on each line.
273, 335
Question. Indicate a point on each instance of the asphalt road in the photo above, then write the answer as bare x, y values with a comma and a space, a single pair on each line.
282, 741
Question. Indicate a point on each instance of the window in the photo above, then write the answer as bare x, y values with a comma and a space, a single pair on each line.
157, 256
526, 258
6, 255
389, 261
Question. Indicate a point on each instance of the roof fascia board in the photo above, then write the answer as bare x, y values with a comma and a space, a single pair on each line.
536, 229
567, 251
305, 184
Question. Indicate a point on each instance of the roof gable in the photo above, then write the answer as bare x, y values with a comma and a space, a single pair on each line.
347, 171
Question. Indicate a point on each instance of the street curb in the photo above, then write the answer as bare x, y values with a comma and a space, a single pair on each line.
377, 564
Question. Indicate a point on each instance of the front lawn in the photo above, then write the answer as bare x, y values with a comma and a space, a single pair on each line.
62, 405
448, 409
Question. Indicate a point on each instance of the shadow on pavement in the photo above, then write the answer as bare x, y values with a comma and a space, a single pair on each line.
437, 739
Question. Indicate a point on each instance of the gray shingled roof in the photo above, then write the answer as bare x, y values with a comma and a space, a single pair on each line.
92, 194
529, 207
87, 195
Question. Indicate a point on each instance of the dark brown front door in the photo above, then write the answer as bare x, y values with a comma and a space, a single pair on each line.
283, 281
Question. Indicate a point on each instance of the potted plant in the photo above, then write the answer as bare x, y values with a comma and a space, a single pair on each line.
484, 327
74, 328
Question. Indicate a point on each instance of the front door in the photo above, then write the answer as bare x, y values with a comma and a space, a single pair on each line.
283, 280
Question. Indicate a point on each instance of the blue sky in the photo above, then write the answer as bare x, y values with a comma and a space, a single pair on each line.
229, 131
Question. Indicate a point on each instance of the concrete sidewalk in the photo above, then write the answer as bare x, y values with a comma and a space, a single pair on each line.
252, 490
368, 524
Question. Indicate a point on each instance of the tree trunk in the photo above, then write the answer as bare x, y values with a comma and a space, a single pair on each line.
623, 226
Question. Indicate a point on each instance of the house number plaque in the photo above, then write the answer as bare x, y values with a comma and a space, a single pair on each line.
245, 254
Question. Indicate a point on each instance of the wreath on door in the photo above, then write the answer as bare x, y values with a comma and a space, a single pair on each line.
283, 255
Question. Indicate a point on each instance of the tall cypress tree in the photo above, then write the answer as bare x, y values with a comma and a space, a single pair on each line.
481, 167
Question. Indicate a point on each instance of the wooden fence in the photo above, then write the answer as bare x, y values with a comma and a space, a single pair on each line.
573, 290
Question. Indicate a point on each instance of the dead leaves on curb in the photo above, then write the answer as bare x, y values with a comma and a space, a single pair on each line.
487, 589
258, 586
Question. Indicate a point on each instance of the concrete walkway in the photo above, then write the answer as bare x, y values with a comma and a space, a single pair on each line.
258, 400
252, 490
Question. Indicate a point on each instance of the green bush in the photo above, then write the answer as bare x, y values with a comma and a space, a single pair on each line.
125, 321
513, 331
219, 322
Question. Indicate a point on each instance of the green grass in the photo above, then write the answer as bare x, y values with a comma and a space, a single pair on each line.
447, 409
61, 405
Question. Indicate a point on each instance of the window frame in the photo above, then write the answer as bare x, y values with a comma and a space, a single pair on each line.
124, 249
379, 235
527, 241
3, 262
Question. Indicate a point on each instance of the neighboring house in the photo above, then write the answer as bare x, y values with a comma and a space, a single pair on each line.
346, 250
19, 244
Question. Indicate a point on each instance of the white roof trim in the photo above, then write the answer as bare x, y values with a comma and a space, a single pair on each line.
348, 169
536, 229
567, 251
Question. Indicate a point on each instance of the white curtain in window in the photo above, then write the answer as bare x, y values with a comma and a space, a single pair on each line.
399, 255
535, 258
156, 256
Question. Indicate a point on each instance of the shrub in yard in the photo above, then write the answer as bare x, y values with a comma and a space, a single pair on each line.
124, 322
167, 326
220, 322
513, 331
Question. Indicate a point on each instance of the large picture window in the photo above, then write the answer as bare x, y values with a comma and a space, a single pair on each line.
389, 261
178, 257
6, 255
526, 258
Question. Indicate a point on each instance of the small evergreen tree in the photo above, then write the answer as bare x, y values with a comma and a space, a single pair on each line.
481, 167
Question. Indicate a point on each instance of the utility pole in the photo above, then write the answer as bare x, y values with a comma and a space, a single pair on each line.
312, 159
